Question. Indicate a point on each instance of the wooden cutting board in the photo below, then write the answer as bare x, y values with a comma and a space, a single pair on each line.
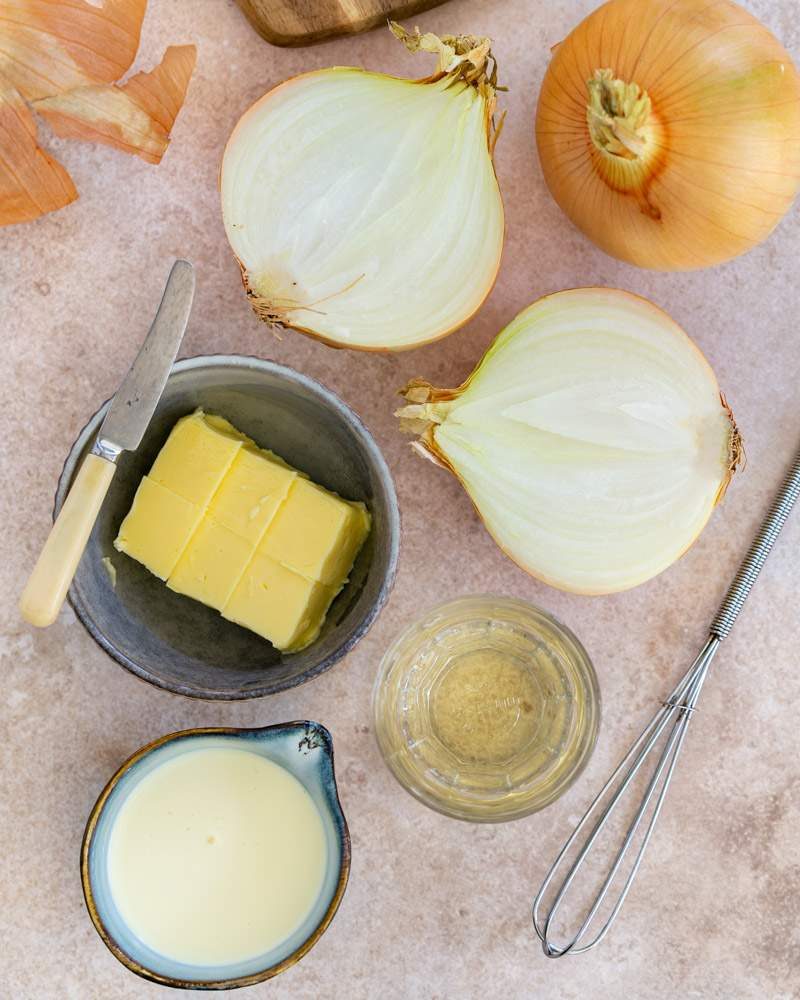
303, 22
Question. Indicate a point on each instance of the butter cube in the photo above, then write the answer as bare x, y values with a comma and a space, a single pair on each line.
211, 565
158, 527
316, 533
279, 605
196, 456
232, 525
250, 494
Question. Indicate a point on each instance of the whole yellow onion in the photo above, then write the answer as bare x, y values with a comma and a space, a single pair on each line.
669, 131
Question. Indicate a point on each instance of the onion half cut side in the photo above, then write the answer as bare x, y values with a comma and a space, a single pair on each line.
592, 438
364, 209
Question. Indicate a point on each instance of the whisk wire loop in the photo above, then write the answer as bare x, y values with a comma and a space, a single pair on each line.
677, 709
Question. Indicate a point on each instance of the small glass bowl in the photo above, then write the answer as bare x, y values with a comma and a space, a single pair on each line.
486, 709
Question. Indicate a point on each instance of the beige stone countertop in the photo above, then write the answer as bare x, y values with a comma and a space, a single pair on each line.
436, 909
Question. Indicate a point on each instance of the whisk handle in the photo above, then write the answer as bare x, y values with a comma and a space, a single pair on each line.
757, 554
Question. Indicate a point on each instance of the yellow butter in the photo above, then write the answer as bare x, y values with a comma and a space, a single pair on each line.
250, 494
211, 564
158, 527
233, 526
196, 457
316, 533
278, 604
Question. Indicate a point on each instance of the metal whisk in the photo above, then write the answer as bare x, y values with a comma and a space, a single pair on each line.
676, 712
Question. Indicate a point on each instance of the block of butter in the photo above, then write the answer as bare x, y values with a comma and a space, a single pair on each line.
232, 525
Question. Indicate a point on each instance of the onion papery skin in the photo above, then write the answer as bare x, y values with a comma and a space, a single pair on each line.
719, 164
592, 439
364, 209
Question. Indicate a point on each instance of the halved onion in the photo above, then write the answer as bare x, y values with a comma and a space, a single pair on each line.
363, 209
592, 438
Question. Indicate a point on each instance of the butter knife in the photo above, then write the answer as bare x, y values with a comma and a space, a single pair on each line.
122, 430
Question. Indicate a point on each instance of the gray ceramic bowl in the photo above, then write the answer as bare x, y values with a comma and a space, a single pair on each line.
181, 645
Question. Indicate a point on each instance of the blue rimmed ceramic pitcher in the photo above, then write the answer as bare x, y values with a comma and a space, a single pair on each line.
305, 750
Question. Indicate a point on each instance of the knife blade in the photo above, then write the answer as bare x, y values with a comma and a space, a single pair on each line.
124, 425
136, 399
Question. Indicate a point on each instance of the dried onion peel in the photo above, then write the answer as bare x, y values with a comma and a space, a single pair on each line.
592, 439
135, 116
62, 57
364, 209
669, 131
50, 46
31, 182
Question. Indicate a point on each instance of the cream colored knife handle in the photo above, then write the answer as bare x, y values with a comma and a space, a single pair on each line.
48, 584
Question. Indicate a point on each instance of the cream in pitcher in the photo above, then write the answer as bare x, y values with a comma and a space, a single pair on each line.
217, 856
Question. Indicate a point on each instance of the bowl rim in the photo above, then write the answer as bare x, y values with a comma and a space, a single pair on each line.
588, 675
200, 361
311, 729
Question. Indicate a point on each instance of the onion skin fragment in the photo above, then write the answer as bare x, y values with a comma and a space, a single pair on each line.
62, 56
49, 47
429, 408
32, 183
135, 117
465, 60
677, 119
